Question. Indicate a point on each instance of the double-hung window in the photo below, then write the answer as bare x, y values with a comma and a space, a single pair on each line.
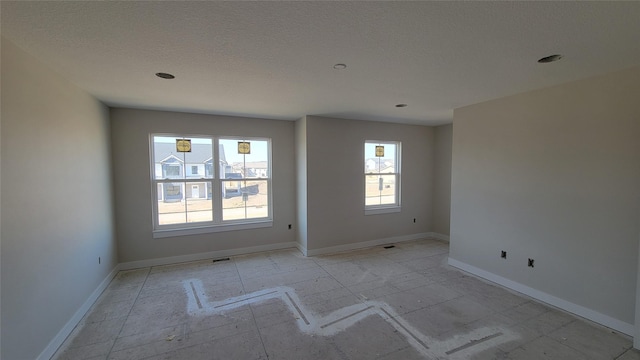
206, 184
381, 176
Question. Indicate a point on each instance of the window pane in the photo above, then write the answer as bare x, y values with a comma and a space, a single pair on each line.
245, 199
380, 164
199, 203
236, 165
168, 162
171, 207
380, 189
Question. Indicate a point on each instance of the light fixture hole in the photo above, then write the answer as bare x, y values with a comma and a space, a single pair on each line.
550, 59
340, 66
165, 75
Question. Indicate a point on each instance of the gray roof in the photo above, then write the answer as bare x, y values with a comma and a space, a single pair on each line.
252, 164
199, 154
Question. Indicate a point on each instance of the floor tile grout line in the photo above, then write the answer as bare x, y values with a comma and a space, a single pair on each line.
623, 353
67, 346
473, 343
347, 287
253, 316
560, 342
336, 280
566, 345
357, 296
409, 332
527, 342
196, 344
521, 346
360, 299
190, 333
461, 295
529, 318
155, 356
129, 312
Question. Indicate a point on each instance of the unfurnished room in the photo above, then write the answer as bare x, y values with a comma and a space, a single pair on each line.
319, 180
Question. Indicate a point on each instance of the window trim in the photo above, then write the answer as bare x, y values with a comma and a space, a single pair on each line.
385, 208
217, 224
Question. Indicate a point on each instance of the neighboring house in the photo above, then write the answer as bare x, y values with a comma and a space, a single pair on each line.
256, 169
196, 164
246, 170
387, 165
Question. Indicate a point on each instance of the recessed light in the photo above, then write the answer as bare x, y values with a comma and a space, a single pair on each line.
165, 75
550, 58
401, 105
340, 66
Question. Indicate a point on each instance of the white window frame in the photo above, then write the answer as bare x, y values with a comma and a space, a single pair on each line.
217, 224
385, 208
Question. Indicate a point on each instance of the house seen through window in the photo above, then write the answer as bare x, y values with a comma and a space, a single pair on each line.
210, 181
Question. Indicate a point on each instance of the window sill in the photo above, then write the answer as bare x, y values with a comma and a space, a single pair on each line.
384, 210
158, 234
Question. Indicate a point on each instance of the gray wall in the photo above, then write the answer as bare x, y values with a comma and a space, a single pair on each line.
56, 202
553, 175
442, 179
335, 183
132, 186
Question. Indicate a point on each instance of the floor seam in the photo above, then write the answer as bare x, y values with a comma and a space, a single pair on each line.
253, 316
129, 312
624, 352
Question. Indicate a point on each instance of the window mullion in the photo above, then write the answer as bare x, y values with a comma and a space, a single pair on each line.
216, 183
244, 183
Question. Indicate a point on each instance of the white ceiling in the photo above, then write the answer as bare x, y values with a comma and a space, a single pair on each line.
275, 59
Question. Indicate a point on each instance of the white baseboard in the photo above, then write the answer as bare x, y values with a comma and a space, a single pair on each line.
66, 330
302, 249
203, 256
365, 244
576, 309
439, 236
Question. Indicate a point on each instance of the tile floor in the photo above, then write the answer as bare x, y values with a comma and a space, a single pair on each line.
398, 303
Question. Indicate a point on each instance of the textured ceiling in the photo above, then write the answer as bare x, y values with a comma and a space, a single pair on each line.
275, 59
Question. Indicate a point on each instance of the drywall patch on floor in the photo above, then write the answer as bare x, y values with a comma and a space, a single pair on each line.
459, 346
